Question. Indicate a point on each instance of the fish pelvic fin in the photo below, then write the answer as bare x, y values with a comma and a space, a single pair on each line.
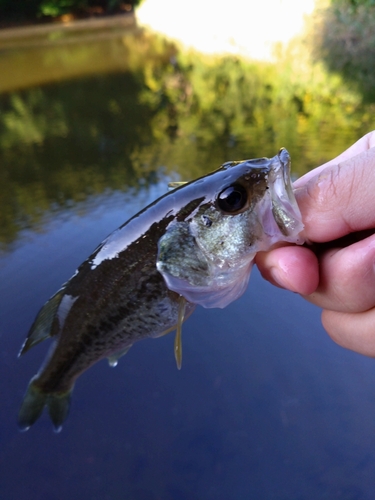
178, 340
35, 400
41, 328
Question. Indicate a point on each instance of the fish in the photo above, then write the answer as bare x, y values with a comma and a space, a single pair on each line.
195, 245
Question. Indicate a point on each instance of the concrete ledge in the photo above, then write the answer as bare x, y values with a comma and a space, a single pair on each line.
40, 30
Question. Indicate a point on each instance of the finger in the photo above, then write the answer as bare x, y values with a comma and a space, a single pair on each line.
347, 280
340, 199
291, 267
354, 331
366, 142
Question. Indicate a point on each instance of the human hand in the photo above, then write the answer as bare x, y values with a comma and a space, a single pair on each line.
337, 272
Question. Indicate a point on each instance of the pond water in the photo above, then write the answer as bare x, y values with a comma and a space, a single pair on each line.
93, 125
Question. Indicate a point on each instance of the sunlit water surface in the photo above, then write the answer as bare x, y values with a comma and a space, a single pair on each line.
265, 406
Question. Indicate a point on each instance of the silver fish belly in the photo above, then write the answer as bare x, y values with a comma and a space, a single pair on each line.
194, 245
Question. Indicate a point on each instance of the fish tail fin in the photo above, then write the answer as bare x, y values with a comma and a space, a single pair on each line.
58, 408
34, 402
32, 406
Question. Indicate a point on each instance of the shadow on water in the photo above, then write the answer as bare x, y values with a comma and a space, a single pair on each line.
265, 405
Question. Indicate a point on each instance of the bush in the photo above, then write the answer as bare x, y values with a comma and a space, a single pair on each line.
17, 10
344, 38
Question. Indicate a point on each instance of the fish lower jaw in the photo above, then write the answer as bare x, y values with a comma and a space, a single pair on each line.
220, 289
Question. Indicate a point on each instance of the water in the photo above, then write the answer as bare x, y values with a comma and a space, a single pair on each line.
265, 406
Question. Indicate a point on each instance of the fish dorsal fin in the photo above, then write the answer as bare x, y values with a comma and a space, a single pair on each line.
113, 358
41, 328
176, 184
177, 339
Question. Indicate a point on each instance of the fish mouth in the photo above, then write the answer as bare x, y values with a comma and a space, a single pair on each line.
285, 211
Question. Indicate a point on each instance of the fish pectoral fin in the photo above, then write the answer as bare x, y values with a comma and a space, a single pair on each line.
113, 358
168, 330
34, 402
174, 185
41, 328
187, 313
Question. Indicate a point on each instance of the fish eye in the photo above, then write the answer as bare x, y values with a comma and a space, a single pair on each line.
232, 199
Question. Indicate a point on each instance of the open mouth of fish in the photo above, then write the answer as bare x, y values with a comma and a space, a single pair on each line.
284, 216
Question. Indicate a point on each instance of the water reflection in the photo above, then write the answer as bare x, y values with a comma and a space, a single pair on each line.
265, 406
186, 113
38, 55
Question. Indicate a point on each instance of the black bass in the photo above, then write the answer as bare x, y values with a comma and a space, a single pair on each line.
194, 245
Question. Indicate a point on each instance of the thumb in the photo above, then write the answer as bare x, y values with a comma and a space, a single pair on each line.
339, 199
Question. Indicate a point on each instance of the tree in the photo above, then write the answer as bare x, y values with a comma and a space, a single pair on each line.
344, 38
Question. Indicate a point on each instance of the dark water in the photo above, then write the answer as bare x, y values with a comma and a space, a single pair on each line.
265, 406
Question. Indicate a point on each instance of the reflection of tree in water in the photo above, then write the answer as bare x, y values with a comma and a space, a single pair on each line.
184, 113
65, 142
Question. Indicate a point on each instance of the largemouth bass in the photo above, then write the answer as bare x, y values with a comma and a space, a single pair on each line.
194, 245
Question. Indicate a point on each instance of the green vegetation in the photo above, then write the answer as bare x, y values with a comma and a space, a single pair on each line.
31, 10
157, 111
343, 37
354, 3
